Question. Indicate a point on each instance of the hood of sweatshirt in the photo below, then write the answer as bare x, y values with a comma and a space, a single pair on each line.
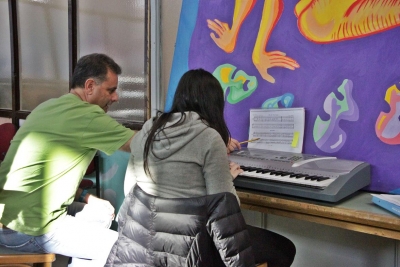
171, 140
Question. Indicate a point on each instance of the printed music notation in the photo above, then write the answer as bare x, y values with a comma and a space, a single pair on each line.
278, 129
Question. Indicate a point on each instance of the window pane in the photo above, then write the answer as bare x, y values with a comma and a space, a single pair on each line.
5, 57
117, 28
44, 50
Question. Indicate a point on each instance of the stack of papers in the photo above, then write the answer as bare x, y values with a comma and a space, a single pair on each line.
388, 202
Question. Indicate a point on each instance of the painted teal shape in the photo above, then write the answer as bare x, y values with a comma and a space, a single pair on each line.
286, 101
235, 82
112, 176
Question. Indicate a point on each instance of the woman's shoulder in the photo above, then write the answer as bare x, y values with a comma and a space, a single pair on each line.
211, 132
211, 139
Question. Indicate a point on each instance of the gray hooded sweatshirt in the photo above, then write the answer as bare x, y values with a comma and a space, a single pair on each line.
191, 161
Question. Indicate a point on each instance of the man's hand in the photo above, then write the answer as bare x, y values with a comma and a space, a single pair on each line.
232, 145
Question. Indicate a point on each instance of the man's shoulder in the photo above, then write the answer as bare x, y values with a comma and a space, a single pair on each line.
70, 103
57, 101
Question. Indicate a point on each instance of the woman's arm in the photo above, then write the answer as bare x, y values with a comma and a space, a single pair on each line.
217, 169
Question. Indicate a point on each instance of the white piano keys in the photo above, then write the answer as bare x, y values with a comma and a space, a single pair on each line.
319, 182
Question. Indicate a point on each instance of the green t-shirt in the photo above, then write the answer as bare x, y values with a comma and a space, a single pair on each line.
47, 159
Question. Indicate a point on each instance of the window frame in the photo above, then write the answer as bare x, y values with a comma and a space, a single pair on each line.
15, 113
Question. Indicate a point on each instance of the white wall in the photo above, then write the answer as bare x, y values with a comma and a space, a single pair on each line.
320, 245
317, 245
326, 246
170, 12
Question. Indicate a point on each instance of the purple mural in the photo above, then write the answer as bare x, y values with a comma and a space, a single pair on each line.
337, 60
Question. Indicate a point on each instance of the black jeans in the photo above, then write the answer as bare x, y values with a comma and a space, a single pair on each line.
270, 247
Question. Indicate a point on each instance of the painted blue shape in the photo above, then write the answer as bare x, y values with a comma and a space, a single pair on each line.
180, 62
286, 101
395, 192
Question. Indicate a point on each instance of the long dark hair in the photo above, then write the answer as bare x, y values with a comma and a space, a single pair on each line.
199, 91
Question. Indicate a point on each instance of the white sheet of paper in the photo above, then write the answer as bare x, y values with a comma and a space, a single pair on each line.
280, 129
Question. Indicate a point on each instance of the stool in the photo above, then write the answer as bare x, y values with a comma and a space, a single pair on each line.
13, 258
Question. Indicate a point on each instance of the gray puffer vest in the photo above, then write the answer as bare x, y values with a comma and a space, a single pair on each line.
202, 231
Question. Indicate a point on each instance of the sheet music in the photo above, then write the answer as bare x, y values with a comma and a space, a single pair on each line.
280, 129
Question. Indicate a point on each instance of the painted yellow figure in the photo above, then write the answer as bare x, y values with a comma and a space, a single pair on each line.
320, 21
325, 21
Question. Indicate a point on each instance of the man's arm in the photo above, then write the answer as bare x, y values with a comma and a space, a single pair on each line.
127, 146
91, 199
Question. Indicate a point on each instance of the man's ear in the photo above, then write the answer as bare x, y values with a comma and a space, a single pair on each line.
89, 86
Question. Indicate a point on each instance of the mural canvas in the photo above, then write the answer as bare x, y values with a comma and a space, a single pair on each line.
340, 60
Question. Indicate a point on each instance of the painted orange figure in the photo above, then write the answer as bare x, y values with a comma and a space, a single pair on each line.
225, 37
320, 21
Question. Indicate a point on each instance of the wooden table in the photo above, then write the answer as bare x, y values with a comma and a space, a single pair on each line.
9, 257
357, 213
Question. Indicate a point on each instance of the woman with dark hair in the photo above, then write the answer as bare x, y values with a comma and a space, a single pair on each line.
182, 154
188, 142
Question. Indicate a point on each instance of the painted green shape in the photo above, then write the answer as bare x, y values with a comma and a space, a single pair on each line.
236, 84
320, 127
344, 105
335, 108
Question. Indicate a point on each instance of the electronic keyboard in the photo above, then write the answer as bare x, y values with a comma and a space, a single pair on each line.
302, 175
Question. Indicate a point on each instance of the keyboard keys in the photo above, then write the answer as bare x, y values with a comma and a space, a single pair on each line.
300, 179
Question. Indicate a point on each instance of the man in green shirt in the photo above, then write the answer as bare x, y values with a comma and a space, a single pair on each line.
46, 161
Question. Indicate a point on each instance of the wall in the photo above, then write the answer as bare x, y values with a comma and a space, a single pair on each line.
170, 12
316, 245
